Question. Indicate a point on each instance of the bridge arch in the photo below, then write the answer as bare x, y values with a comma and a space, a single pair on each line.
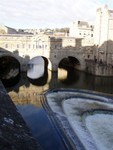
70, 61
37, 71
67, 69
9, 70
47, 62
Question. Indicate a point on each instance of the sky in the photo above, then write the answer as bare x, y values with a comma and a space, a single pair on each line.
24, 14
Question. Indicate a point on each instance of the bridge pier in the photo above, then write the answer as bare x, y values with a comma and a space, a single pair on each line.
53, 67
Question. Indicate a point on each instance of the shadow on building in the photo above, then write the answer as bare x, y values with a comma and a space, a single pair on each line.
102, 64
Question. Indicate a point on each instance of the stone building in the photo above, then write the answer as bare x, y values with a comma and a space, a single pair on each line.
7, 30
102, 64
92, 44
23, 43
23, 46
81, 29
103, 35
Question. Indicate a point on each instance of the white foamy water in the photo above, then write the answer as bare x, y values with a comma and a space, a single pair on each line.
85, 116
100, 127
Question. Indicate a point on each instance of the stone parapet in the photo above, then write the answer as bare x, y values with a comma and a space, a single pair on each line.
14, 133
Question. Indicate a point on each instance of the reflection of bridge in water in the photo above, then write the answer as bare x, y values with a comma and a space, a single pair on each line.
24, 98
25, 91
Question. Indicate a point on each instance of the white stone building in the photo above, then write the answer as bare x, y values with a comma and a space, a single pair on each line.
81, 29
7, 30
103, 34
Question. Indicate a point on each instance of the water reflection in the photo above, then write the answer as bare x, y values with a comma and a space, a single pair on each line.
72, 79
41, 80
41, 127
26, 96
81, 80
35, 67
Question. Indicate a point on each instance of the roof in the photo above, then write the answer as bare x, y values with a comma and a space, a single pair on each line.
111, 13
83, 23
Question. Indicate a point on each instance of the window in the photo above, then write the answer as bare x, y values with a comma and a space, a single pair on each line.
88, 56
17, 45
6, 45
29, 46
33, 46
78, 22
45, 46
23, 46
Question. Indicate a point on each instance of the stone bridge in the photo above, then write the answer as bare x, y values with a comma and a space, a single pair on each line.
51, 48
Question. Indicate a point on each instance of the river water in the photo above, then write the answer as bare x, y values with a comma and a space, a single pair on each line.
62, 79
26, 95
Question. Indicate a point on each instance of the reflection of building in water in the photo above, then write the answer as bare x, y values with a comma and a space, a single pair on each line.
26, 93
33, 98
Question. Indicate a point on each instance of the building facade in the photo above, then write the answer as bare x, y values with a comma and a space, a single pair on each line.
87, 42
103, 35
81, 29
7, 30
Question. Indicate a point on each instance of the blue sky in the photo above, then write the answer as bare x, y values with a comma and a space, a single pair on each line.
48, 13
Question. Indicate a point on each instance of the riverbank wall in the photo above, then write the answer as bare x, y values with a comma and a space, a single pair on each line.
99, 68
14, 133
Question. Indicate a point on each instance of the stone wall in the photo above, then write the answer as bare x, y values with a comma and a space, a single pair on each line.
14, 133
98, 68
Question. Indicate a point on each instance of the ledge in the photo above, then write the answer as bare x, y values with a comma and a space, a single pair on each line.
14, 133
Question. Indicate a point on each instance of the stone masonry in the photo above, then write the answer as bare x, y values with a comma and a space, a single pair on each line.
14, 133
